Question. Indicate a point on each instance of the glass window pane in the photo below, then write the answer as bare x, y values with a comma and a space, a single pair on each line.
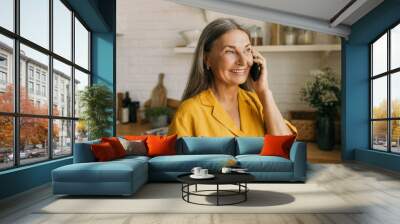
6, 142
62, 29
81, 81
34, 72
81, 45
81, 131
62, 138
395, 138
395, 47
379, 55
35, 21
379, 135
33, 139
62, 89
395, 94
6, 74
7, 14
379, 98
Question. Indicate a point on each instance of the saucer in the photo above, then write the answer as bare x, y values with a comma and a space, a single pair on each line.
208, 176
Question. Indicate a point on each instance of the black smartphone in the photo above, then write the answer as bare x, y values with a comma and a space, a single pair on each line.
255, 71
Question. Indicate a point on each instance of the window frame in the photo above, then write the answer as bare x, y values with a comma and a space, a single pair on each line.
388, 74
16, 114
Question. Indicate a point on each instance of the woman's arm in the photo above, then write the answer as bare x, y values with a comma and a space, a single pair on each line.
274, 122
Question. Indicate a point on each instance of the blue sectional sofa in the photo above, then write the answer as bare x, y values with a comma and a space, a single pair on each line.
125, 176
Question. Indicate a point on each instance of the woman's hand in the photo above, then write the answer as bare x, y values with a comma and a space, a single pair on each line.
261, 85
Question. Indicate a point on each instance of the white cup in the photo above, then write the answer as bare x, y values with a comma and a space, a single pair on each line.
196, 170
203, 172
226, 170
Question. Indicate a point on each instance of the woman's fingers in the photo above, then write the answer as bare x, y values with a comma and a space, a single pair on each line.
257, 57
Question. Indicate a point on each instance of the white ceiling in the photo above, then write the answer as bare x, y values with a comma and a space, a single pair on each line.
307, 14
321, 9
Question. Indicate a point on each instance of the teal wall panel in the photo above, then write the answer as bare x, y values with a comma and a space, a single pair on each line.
355, 83
103, 64
24, 178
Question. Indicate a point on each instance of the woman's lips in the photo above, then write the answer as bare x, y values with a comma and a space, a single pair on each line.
239, 71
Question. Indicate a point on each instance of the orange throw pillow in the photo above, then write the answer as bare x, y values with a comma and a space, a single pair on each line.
103, 152
135, 137
161, 145
116, 145
277, 145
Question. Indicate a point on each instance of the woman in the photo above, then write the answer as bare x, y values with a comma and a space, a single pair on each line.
217, 100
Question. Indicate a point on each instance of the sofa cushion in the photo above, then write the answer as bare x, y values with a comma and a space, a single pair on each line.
132, 158
185, 163
257, 163
134, 147
83, 152
116, 145
206, 145
277, 145
111, 171
103, 152
249, 145
161, 145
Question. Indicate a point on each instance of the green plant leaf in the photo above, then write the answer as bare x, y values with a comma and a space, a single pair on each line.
96, 102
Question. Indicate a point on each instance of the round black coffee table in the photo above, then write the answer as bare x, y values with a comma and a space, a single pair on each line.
238, 179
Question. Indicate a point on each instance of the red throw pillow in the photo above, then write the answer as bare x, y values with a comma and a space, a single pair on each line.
116, 145
103, 152
277, 145
161, 145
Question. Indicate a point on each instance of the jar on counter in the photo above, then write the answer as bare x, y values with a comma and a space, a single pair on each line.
256, 38
305, 37
290, 36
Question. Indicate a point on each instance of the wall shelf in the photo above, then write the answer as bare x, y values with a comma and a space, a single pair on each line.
278, 48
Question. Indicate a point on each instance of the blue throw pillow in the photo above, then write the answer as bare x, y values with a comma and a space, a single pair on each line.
207, 145
249, 145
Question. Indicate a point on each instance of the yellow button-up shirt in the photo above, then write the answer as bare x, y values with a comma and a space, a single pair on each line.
203, 115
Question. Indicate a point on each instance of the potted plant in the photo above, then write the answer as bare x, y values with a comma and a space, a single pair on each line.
96, 102
323, 94
158, 116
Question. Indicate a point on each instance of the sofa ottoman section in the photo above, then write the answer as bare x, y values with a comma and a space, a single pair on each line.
119, 177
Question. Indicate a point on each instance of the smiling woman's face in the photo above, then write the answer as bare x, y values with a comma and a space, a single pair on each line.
230, 58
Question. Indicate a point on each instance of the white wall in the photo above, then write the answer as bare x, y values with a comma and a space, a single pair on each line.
149, 30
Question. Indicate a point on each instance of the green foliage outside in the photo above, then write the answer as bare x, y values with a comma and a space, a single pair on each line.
379, 128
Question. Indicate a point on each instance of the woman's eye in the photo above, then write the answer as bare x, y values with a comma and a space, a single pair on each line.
248, 50
231, 52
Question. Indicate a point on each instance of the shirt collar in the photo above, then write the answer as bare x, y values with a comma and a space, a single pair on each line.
207, 98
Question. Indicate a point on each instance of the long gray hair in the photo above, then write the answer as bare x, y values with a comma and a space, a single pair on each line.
200, 78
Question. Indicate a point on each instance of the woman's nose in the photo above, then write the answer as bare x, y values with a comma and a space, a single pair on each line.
242, 60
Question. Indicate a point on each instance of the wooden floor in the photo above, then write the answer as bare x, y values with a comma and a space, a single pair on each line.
379, 190
316, 155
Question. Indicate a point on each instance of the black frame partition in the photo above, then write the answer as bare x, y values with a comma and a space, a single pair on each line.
388, 74
16, 114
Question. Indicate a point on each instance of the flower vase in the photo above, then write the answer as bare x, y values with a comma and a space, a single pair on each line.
325, 132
